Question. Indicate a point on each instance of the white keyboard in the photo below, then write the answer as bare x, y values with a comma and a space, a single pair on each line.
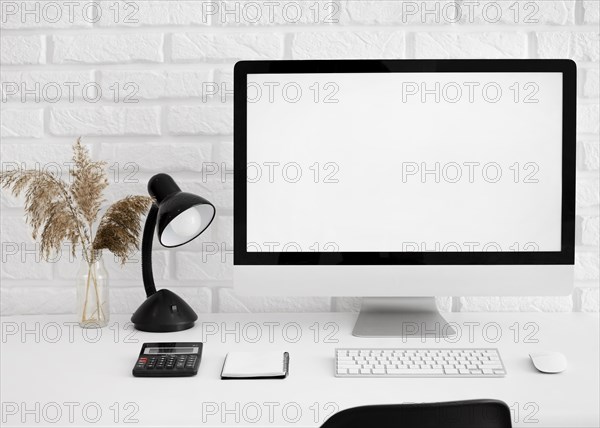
418, 363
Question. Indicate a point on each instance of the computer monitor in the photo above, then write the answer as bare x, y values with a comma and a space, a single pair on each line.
401, 180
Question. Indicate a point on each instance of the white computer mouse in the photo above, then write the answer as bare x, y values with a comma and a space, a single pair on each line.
548, 361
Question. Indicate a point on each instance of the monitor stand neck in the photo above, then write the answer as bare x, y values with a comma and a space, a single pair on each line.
401, 317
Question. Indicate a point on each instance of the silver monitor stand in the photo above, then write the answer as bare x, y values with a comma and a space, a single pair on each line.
401, 317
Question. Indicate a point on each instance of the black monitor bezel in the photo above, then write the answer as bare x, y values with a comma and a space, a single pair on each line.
565, 256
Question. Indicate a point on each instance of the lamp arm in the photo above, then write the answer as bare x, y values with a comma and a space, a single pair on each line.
147, 239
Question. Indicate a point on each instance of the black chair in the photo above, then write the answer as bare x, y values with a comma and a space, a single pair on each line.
454, 414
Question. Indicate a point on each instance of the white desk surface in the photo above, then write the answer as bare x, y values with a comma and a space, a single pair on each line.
64, 376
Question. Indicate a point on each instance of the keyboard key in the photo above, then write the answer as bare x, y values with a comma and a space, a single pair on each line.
346, 366
492, 366
415, 372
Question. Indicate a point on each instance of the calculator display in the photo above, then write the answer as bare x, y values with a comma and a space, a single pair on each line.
173, 351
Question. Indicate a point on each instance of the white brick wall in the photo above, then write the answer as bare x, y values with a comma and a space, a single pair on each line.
148, 83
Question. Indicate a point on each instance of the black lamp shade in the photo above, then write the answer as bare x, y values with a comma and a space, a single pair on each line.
181, 216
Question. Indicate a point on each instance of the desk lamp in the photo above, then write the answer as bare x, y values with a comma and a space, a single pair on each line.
181, 217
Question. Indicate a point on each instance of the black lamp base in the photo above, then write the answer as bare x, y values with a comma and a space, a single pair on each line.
164, 311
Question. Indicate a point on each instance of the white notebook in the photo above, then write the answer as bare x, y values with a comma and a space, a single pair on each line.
256, 365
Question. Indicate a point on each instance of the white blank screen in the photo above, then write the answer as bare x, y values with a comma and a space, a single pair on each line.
399, 162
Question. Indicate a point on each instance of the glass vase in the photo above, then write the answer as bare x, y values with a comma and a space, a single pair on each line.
92, 291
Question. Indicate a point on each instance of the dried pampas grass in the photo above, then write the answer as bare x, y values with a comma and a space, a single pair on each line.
119, 228
58, 211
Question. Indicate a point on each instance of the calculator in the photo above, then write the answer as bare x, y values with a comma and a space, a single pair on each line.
168, 359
